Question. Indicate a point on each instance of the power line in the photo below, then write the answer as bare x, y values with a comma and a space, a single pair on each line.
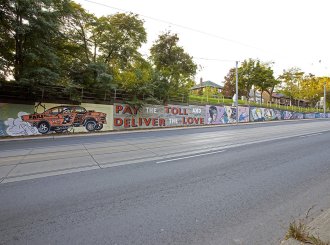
214, 59
177, 25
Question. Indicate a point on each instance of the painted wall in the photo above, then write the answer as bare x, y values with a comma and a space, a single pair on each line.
225, 114
258, 114
108, 109
11, 123
154, 116
19, 119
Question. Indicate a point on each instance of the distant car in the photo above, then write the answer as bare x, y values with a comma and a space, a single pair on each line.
60, 118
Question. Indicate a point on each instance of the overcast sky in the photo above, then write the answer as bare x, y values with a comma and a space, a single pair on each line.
219, 32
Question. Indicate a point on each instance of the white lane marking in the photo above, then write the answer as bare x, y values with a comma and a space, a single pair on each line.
309, 135
180, 158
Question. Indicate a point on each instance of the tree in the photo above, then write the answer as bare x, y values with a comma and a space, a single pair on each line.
290, 81
29, 33
137, 80
119, 37
264, 78
175, 69
79, 50
246, 76
229, 85
100, 50
312, 88
251, 73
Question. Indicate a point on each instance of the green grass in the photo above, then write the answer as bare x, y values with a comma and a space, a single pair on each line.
203, 100
299, 231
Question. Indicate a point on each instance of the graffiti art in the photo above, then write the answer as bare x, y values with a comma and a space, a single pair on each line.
61, 118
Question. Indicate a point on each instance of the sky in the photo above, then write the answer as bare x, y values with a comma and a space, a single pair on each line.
290, 33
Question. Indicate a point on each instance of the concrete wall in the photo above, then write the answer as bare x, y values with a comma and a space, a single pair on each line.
108, 109
155, 116
11, 123
225, 114
124, 116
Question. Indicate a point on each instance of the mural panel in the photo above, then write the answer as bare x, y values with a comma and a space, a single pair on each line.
262, 114
153, 116
220, 114
11, 123
214, 114
277, 115
297, 115
70, 118
225, 114
287, 115
43, 118
243, 114
309, 115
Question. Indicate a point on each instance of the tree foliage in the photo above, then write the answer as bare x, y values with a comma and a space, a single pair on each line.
174, 67
300, 86
290, 81
57, 42
251, 74
31, 39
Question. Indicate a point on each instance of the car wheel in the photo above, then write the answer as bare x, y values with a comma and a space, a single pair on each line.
98, 126
43, 127
90, 126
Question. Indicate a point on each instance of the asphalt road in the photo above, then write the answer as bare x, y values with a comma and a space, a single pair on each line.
222, 185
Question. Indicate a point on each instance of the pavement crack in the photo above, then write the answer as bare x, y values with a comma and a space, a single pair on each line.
92, 157
14, 166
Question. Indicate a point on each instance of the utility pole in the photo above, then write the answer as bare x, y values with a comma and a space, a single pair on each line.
236, 92
324, 98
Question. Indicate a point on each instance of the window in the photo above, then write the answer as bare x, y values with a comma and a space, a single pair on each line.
79, 109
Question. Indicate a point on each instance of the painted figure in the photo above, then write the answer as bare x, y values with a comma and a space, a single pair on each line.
213, 114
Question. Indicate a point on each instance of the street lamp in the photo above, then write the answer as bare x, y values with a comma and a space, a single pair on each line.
324, 98
236, 102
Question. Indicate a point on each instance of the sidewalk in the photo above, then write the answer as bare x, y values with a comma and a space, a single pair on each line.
319, 227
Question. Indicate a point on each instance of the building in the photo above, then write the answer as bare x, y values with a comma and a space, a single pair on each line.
281, 99
202, 86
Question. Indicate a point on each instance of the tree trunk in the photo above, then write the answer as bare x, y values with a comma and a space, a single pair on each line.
18, 63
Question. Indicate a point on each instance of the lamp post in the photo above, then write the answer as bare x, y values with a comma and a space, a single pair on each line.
324, 98
236, 92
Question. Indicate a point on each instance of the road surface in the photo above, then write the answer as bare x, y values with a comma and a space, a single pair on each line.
221, 185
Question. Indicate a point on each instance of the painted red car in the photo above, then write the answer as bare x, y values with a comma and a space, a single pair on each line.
61, 118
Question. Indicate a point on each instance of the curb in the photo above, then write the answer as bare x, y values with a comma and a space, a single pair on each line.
82, 134
318, 227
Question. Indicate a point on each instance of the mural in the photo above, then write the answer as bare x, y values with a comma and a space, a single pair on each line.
257, 114
153, 116
262, 114
225, 114
309, 115
243, 114
215, 114
48, 118
297, 115
277, 115
11, 123
44, 118
287, 115
62, 118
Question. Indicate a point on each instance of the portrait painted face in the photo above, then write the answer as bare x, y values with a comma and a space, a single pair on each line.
213, 114
258, 113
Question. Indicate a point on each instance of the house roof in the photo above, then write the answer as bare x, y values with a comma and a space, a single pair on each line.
278, 95
207, 84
